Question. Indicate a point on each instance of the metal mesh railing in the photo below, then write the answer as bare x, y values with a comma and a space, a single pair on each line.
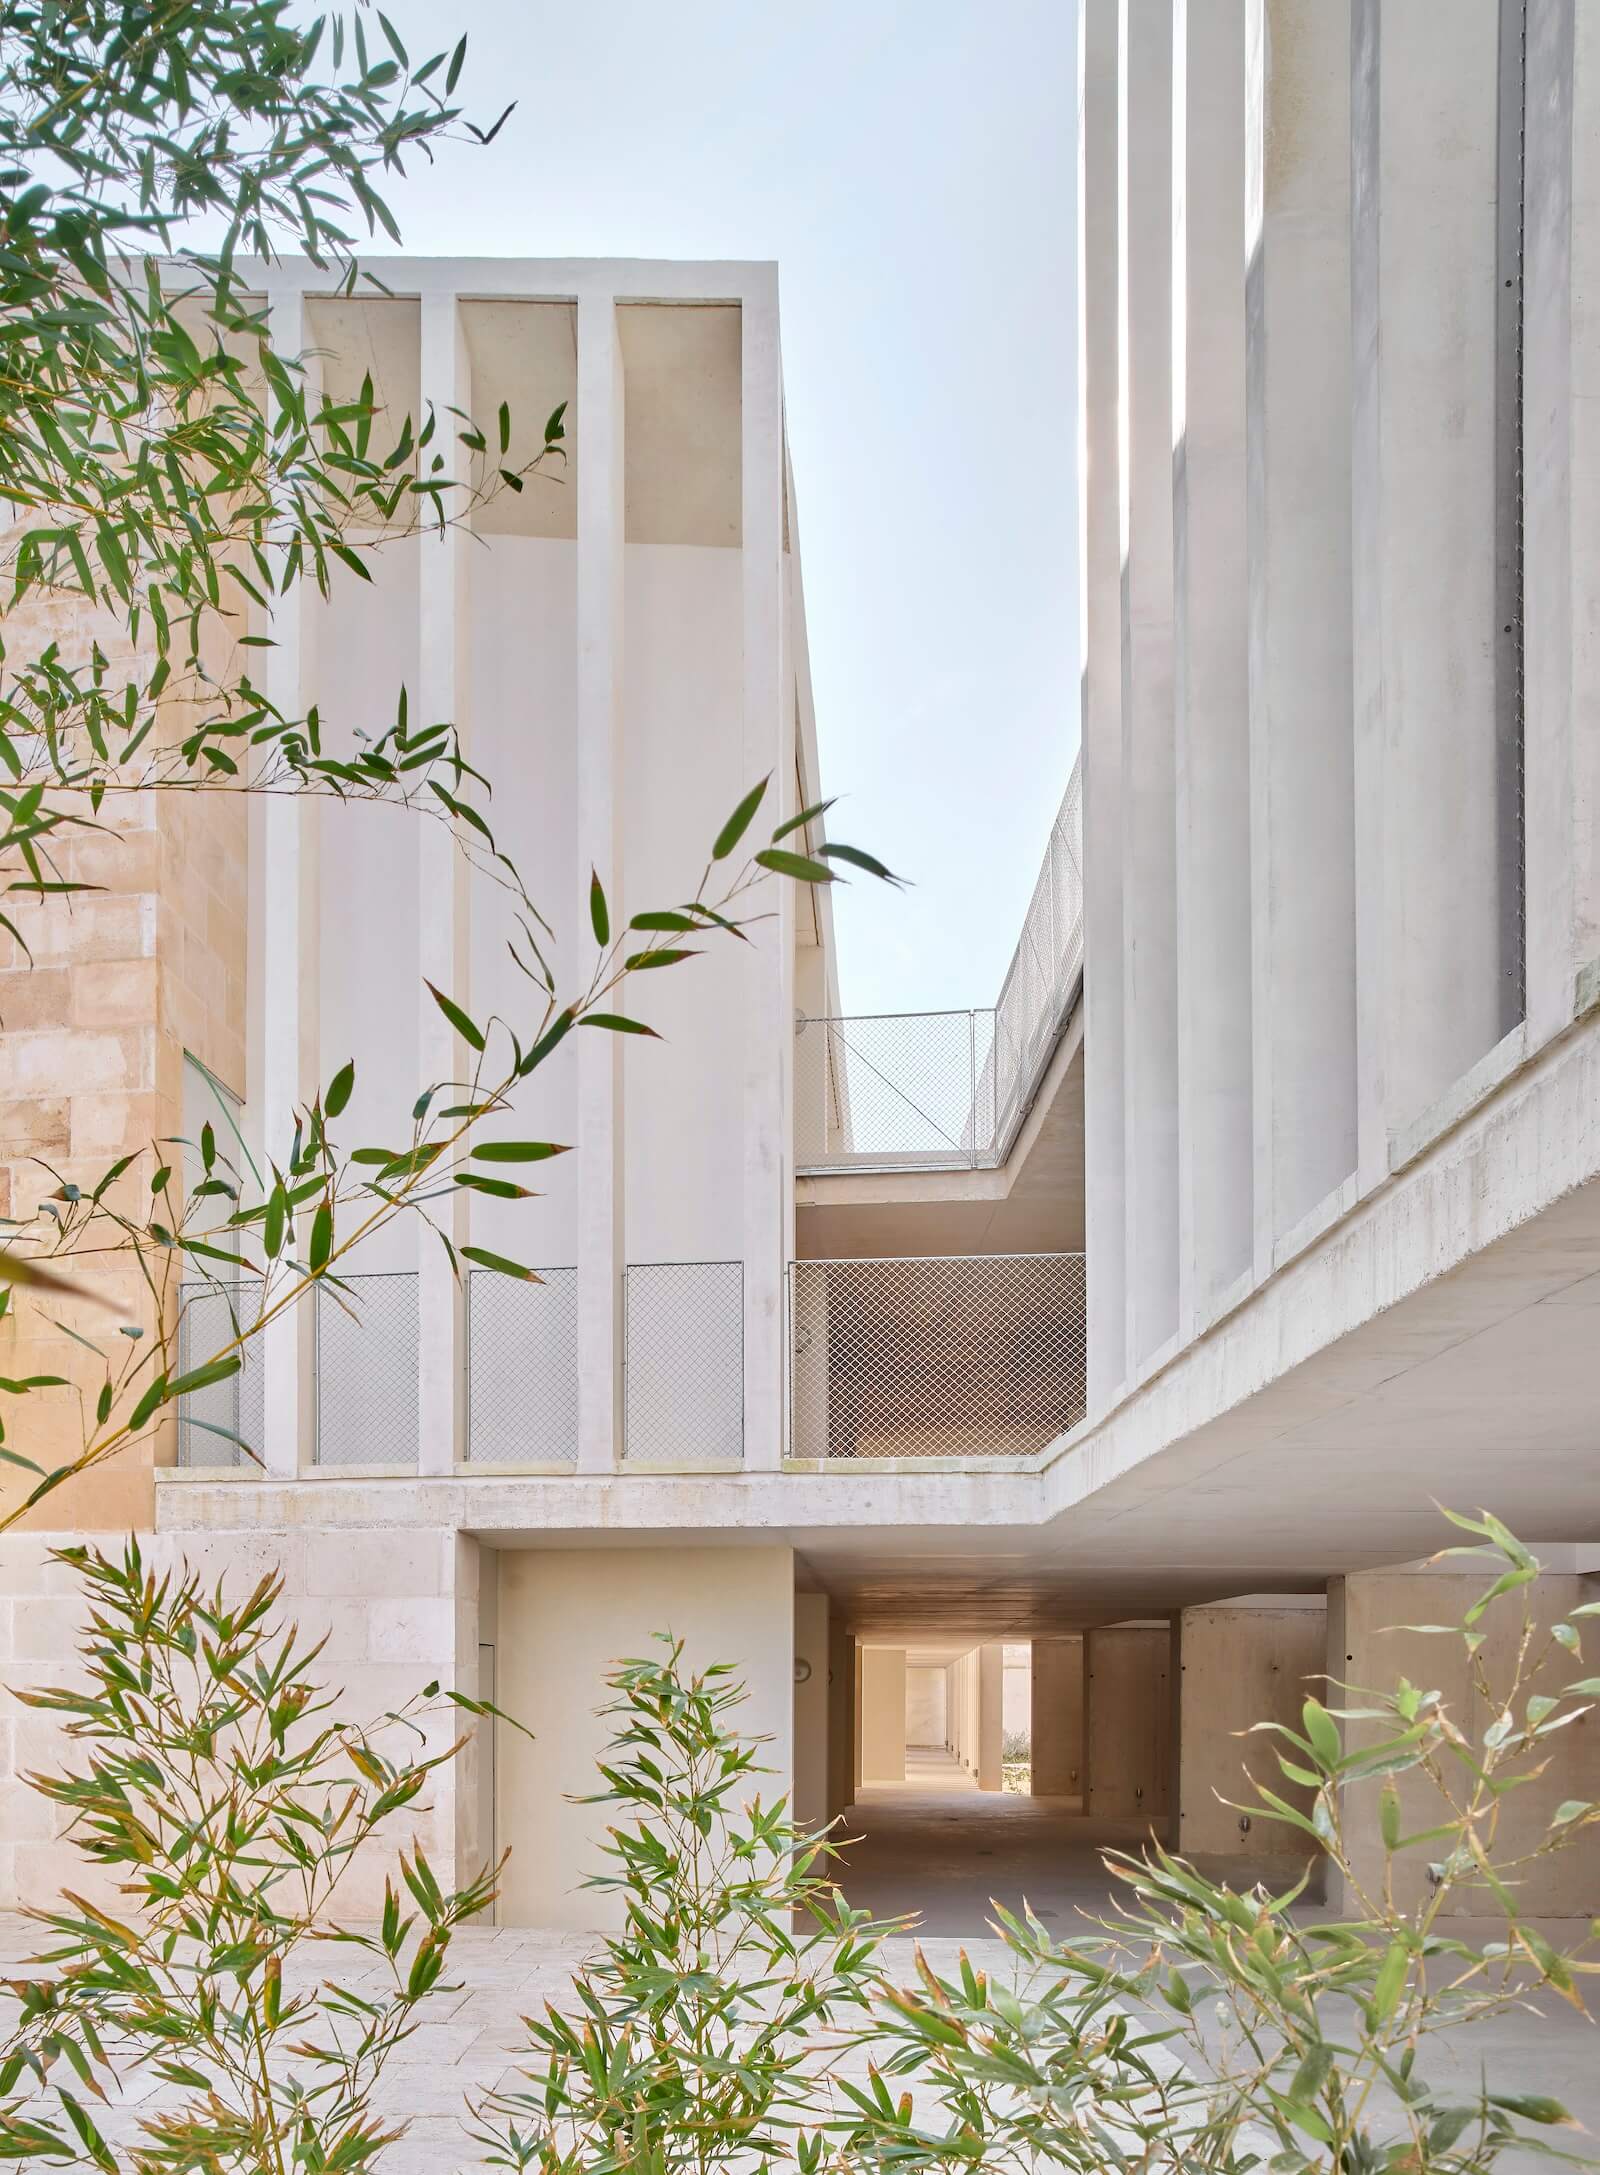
683, 1361
366, 1370
222, 1426
522, 1344
966, 1356
907, 1090
949, 1090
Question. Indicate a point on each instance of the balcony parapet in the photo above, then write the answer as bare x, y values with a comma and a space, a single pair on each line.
927, 1091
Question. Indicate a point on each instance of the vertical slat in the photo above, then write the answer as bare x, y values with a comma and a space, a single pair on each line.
442, 925
600, 1142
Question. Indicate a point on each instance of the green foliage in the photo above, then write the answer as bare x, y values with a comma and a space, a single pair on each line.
1210, 2029
1201, 2030
226, 1796
694, 2040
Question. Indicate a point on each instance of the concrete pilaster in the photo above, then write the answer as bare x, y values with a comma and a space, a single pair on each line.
812, 1710
991, 1717
1149, 911
769, 726
842, 1777
1211, 658
1297, 421
600, 1134
1099, 639
1551, 429
443, 693
1584, 462
290, 969
1438, 875
883, 1714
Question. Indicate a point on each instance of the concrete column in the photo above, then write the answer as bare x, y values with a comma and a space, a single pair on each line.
1561, 549
811, 1710
470, 1803
443, 692
1057, 1759
291, 970
1368, 1647
1438, 858
1297, 441
991, 1717
1128, 1722
842, 1776
601, 1139
883, 1714
1240, 1665
1211, 658
1583, 471
1149, 908
1100, 694
769, 715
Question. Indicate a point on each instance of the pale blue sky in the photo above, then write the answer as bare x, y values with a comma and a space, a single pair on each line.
911, 168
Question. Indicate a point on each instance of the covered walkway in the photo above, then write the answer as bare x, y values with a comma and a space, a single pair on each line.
937, 1846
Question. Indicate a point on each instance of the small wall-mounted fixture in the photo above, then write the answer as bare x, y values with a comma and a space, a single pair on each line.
802, 1670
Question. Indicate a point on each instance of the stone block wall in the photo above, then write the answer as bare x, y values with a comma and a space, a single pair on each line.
99, 1000
397, 1610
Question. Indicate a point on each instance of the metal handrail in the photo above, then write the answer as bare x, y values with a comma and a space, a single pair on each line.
926, 1109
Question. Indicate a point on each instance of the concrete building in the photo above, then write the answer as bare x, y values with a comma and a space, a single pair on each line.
1143, 1315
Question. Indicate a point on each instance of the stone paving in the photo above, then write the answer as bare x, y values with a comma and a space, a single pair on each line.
473, 2036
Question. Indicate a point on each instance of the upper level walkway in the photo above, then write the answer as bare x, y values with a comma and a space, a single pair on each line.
949, 1091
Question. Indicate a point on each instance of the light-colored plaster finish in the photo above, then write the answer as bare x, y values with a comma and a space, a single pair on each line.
565, 1619
883, 1714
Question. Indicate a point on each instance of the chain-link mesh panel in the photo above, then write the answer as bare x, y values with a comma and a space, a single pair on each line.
222, 1425
979, 1356
523, 1361
948, 1090
367, 1370
910, 1090
684, 1359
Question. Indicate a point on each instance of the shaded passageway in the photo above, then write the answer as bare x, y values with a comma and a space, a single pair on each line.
937, 1846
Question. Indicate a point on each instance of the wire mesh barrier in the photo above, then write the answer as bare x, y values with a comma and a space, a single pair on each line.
949, 1090
522, 1346
969, 1356
683, 1362
366, 1370
907, 1090
222, 1425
